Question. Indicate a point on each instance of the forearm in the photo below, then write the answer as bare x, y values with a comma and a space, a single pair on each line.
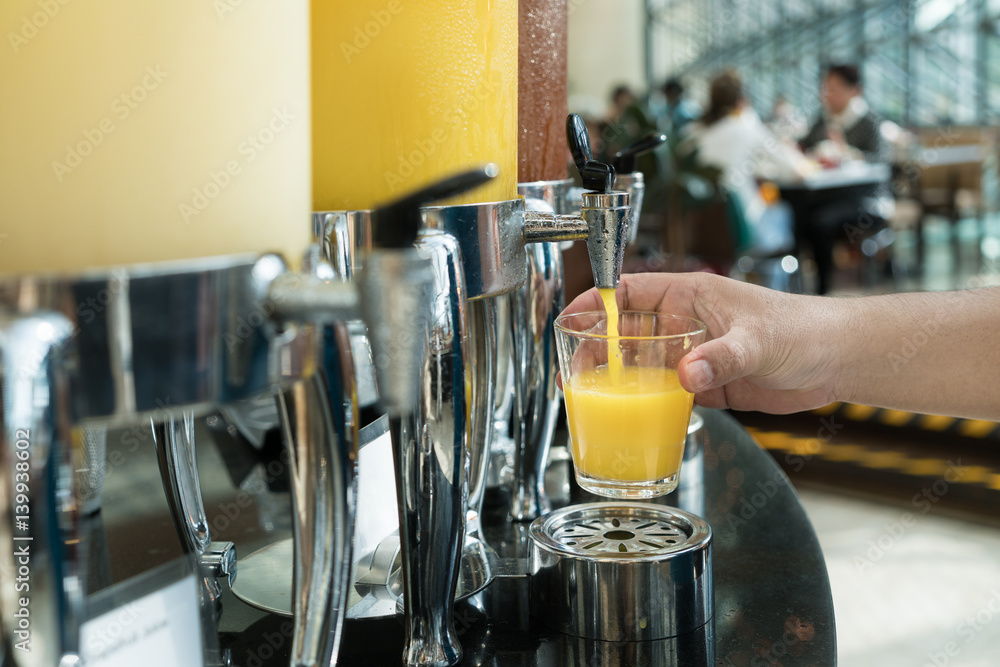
937, 353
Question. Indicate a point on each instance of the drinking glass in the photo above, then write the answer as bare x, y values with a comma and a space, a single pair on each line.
628, 419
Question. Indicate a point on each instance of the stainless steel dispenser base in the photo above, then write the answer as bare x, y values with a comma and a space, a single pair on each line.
621, 571
265, 581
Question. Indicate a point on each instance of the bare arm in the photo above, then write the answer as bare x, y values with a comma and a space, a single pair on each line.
936, 352
930, 352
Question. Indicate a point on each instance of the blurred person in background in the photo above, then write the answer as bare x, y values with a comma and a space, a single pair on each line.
731, 138
847, 130
679, 109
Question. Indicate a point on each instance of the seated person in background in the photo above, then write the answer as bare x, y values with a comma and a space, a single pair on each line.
846, 130
731, 138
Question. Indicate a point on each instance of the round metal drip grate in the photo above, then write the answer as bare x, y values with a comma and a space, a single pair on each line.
619, 530
612, 534
619, 571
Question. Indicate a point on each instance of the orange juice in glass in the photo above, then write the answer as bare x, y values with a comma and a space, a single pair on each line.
627, 425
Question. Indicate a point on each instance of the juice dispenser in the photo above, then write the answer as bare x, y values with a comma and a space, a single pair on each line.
147, 187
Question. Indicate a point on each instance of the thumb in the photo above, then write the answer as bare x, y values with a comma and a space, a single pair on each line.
716, 363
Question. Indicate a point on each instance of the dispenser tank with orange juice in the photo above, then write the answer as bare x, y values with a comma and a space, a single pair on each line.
136, 133
406, 93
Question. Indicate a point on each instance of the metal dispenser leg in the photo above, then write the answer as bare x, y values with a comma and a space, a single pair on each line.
40, 521
534, 308
175, 453
429, 447
322, 478
483, 365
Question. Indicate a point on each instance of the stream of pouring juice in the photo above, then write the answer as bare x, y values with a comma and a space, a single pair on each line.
633, 430
135, 132
614, 351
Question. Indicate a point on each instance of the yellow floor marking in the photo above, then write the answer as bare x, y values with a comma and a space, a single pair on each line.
936, 422
827, 409
973, 474
883, 459
845, 453
924, 467
976, 428
994, 482
896, 417
859, 412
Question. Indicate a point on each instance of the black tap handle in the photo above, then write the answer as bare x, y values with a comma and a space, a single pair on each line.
624, 162
396, 224
595, 175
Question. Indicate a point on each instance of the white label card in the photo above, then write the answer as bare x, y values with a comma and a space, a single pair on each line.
162, 629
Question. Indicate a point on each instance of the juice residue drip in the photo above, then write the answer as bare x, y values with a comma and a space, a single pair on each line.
614, 350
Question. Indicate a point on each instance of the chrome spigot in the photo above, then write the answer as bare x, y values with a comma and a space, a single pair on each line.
604, 217
603, 220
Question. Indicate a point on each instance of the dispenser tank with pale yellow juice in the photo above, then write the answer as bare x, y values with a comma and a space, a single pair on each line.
136, 132
405, 93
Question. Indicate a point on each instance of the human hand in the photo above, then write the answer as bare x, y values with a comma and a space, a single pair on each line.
766, 350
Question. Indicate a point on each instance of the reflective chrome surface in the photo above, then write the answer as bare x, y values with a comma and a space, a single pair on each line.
492, 243
482, 336
603, 221
557, 194
168, 342
175, 454
346, 238
265, 580
607, 217
621, 571
634, 184
39, 519
323, 510
533, 310
430, 450
394, 290
150, 338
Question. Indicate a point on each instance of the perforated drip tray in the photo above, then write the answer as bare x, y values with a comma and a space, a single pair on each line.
621, 571
610, 534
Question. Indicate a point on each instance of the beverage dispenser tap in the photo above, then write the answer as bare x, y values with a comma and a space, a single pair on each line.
603, 220
604, 216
